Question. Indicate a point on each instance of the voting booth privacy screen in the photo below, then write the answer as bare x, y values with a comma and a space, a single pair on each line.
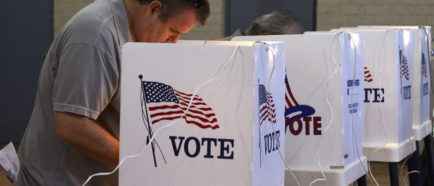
417, 38
205, 115
388, 99
324, 102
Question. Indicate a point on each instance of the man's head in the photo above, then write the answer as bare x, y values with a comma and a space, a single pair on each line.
275, 23
164, 20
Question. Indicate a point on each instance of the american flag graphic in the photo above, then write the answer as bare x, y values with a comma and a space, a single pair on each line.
266, 106
404, 68
166, 103
292, 108
368, 76
289, 97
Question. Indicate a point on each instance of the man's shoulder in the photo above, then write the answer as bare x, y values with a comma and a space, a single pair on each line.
91, 24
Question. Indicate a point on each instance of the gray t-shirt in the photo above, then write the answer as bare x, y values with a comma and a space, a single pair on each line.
80, 75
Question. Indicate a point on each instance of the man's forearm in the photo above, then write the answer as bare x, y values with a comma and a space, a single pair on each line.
88, 137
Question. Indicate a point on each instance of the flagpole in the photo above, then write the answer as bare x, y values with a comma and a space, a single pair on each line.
259, 128
150, 133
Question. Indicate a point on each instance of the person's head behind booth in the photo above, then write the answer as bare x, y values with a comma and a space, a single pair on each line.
164, 20
275, 23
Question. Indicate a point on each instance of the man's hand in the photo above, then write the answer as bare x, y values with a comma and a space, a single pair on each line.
88, 137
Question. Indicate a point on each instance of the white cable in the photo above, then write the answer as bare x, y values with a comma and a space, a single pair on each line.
402, 168
405, 161
274, 130
380, 77
372, 176
332, 52
411, 172
163, 127
379, 50
322, 172
368, 170
325, 82
410, 146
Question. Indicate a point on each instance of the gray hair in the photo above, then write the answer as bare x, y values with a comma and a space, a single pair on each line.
275, 23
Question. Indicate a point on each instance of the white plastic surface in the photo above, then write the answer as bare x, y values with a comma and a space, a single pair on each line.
337, 176
217, 140
391, 152
324, 93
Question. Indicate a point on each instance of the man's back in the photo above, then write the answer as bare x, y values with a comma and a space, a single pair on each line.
80, 75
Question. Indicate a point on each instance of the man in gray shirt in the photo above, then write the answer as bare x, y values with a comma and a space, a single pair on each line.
74, 128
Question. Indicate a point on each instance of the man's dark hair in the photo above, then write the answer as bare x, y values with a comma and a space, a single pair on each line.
275, 23
174, 7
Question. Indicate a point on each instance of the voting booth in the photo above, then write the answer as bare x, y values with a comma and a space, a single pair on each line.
421, 87
324, 106
388, 77
202, 114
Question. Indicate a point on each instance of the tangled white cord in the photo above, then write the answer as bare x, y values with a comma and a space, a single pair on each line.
218, 75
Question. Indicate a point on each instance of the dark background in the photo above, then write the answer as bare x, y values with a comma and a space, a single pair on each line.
26, 32
239, 14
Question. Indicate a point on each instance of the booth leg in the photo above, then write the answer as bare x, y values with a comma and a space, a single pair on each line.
429, 155
393, 172
414, 165
361, 181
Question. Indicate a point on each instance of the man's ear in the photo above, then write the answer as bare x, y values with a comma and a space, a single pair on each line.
154, 7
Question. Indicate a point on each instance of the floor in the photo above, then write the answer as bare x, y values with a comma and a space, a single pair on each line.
380, 171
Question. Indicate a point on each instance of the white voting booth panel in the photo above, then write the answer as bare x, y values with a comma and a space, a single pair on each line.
388, 100
421, 87
324, 106
202, 114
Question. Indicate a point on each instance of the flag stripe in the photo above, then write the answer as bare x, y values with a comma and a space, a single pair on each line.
185, 105
187, 95
158, 108
288, 104
266, 106
291, 100
166, 103
200, 125
189, 113
153, 108
186, 102
166, 118
166, 113
214, 120
367, 76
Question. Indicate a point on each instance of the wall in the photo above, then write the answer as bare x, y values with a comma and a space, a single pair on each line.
214, 28
65, 9
340, 13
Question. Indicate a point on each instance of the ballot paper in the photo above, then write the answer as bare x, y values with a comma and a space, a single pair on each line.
9, 162
324, 104
202, 113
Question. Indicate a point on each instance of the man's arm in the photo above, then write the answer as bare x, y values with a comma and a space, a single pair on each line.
88, 137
